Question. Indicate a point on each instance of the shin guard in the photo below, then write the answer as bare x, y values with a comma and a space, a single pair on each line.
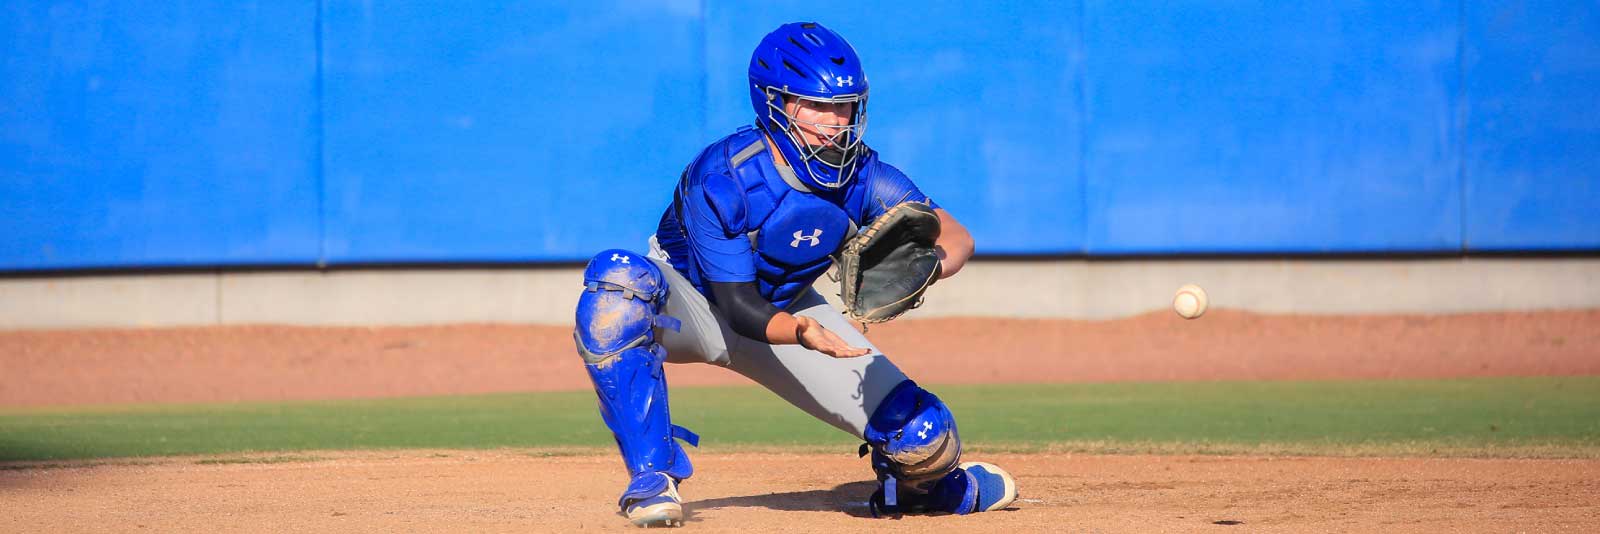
616, 320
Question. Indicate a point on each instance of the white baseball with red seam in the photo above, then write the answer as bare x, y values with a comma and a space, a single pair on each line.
1190, 302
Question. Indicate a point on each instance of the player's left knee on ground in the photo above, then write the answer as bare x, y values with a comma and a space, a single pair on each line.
913, 440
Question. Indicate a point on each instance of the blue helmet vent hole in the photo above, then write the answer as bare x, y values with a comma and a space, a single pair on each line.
763, 63
798, 45
837, 60
814, 39
791, 66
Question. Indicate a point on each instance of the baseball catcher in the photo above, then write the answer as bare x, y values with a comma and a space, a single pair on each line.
756, 218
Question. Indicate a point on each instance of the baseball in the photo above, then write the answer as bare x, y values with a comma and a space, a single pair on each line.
1190, 302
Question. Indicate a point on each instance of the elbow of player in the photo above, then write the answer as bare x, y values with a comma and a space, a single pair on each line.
953, 257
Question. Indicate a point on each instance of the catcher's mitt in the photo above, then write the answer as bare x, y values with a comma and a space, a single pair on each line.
884, 269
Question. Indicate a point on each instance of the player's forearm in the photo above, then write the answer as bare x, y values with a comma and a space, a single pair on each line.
753, 317
783, 329
954, 246
747, 312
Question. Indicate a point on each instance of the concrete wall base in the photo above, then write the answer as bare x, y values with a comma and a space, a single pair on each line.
1076, 289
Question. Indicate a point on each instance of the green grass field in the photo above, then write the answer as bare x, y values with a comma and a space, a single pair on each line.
1515, 417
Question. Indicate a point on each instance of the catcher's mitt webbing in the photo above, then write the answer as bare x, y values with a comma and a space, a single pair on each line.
884, 270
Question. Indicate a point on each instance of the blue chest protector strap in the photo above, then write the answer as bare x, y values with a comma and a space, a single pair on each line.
617, 315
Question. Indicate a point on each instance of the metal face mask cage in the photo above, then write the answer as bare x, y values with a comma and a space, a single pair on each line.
847, 137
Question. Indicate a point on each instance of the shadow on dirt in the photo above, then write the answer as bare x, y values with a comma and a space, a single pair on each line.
849, 498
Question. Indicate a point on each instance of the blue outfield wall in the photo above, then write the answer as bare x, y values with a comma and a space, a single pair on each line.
157, 133
1532, 134
1271, 126
187, 133
522, 132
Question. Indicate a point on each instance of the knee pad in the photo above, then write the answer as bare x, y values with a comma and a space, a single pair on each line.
616, 320
913, 440
622, 297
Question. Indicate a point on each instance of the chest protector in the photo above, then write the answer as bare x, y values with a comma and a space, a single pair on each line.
793, 233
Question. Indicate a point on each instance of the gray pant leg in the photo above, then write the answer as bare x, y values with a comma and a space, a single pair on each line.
842, 392
704, 335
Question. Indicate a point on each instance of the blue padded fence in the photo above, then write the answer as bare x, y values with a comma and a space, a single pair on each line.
185, 133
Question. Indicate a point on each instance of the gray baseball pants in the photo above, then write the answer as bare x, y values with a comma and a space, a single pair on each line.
842, 392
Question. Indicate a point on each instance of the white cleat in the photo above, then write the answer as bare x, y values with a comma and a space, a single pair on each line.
663, 510
996, 488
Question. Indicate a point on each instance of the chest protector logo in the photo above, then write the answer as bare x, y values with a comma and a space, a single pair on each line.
815, 238
801, 231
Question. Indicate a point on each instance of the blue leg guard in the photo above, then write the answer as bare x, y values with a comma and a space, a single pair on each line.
914, 446
616, 320
916, 454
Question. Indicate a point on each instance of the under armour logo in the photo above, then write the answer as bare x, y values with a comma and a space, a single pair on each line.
845, 80
815, 238
619, 257
926, 426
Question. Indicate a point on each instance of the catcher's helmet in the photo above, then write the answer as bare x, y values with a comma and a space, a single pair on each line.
807, 61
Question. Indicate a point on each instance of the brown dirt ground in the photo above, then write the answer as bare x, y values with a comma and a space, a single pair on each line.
510, 491
65, 367
491, 491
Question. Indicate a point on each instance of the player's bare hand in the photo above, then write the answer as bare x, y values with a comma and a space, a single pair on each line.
815, 337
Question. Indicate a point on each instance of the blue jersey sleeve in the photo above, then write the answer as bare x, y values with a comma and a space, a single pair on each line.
714, 216
886, 186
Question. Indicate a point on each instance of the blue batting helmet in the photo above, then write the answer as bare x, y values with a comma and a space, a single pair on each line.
806, 61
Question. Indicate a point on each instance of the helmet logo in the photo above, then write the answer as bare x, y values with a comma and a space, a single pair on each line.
845, 80
814, 238
618, 257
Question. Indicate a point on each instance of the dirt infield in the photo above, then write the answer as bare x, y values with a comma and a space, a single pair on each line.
508, 491
275, 363
505, 491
